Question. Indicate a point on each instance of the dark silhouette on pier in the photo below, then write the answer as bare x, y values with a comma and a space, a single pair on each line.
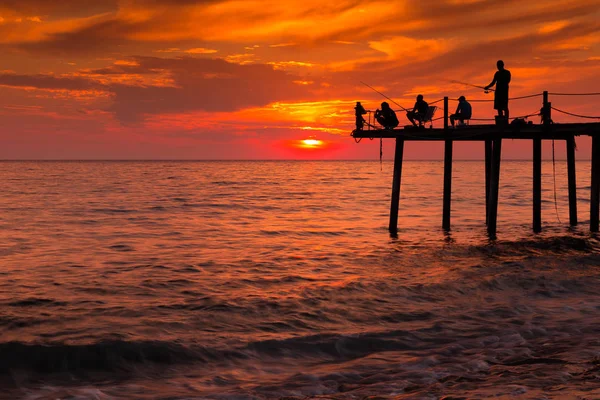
386, 116
359, 111
418, 112
463, 113
501, 80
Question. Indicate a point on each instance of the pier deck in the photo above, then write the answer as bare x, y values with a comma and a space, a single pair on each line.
484, 132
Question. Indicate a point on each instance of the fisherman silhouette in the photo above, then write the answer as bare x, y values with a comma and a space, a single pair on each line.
418, 112
359, 111
501, 80
386, 116
463, 111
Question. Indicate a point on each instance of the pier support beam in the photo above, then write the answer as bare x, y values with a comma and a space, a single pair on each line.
447, 185
494, 187
398, 158
595, 193
572, 181
447, 173
488, 168
537, 185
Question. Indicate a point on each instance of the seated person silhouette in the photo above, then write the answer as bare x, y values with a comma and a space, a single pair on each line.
359, 111
386, 116
419, 111
463, 111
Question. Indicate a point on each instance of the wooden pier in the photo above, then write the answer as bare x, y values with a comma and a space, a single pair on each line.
491, 136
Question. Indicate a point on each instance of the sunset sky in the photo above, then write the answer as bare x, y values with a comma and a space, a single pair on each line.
221, 79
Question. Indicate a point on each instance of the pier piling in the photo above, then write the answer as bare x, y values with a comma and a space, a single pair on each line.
537, 166
572, 180
494, 186
397, 180
537, 185
447, 172
488, 168
595, 192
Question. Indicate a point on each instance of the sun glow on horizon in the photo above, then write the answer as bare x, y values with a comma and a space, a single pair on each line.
312, 142
310, 147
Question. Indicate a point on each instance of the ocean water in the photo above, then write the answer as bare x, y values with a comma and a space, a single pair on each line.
264, 280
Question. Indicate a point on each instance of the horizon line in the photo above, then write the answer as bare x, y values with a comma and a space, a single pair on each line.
252, 160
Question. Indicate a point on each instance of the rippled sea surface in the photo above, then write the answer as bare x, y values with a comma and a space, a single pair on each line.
262, 280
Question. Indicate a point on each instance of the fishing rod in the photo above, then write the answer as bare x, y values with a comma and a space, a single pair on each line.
377, 91
475, 86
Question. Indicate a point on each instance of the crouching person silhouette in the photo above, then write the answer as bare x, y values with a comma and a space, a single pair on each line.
386, 116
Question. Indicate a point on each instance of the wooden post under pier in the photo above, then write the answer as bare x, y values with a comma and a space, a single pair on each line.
537, 167
397, 181
494, 187
572, 180
488, 168
447, 173
537, 185
595, 192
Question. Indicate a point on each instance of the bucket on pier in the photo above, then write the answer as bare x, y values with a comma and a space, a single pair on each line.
501, 120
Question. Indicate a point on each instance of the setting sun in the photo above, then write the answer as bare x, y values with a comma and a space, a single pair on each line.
309, 148
311, 143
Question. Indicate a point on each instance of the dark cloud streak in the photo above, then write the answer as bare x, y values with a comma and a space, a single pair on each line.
49, 82
60, 8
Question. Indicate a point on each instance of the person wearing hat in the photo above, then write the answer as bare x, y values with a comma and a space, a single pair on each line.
419, 111
463, 111
386, 116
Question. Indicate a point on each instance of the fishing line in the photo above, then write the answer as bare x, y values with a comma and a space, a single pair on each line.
470, 84
381, 153
377, 91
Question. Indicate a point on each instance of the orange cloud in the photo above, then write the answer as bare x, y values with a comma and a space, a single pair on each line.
408, 50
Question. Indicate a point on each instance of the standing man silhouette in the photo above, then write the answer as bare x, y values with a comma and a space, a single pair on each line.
501, 80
